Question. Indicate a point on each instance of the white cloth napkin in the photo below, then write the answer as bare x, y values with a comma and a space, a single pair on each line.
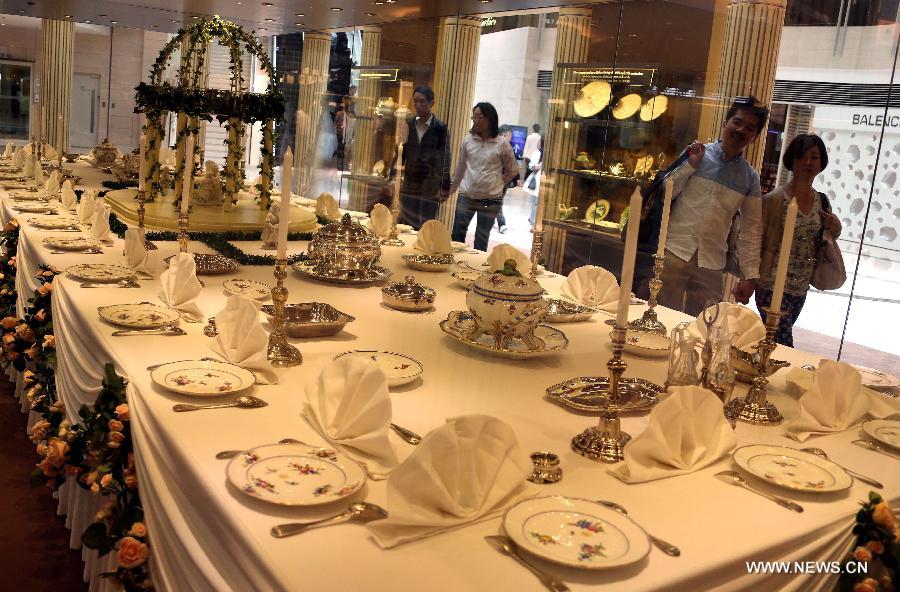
28, 165
9, 150
180, 286
592, 286
87, 206
467, 470
19, 157
241, 338
138, 257
687, 431
327, 207
834, 400
54, 204
348, 404
380, 221
69, 199
52, 184
433, 239
39, 177
100, 223
50, 152
745, 325
502, 252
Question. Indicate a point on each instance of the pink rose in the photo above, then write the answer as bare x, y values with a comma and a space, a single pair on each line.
40, 430
138, 529
131, 553
122, 412
131, 482
862, 554
883, 515
56, 451
41, 315
106, 479
46, 468
32, 352
867, 585
115, 425
95, 489
116, 436
49, 342
876, 547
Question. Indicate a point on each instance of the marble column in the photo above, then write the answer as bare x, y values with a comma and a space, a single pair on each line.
313, 82
454, 87
363, 149
57, 55
573, 30
749, 58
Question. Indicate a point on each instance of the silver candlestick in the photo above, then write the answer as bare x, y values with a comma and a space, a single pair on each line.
393, 240
537, 247
754, 408
281, 354
142, 199
648, 322
606, 441
183, 237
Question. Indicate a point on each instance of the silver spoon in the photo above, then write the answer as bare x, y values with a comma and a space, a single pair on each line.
506, 546
854, 474
667, 548
243, 402
359, 511
408, 436
734, 478
232, 453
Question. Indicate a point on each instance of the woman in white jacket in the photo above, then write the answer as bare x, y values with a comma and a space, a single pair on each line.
533, 180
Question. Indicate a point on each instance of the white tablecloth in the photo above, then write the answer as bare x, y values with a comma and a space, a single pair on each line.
206, 535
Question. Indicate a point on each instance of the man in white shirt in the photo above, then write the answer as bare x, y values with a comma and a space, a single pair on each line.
713, 185
531, 144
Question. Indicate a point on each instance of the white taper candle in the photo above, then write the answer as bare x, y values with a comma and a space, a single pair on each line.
628, 258
664, 225
784, 255
188, 174
284, 212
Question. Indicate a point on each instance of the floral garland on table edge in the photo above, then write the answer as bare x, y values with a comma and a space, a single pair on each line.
878, 545
219, 242
98, 452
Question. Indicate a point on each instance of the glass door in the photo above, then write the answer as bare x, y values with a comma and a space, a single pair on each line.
85, 112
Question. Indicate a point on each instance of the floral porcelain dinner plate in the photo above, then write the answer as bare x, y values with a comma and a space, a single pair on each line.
295, 474
791, 469
202, 378
249, 288
876, 378
398, 368
886, 431
576, 533
71, 243
54, 223
33, 207
101, 272
138, 316
460, 325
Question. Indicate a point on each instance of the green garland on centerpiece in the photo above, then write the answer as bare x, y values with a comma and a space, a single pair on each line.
220, 242
118, 185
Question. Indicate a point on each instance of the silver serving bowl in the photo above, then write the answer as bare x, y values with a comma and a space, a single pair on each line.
563, 311
408, 295
344, 246
71, 157
591, 394
310, 319
212, 264
423, 262
745, 365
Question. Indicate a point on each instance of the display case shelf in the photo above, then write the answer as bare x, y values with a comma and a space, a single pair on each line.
615, 123
631, 181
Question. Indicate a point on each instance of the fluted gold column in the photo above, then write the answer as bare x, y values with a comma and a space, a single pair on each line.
454, 87
364, 134
313, 82
572, 42
709, 126
750, 55
57, 54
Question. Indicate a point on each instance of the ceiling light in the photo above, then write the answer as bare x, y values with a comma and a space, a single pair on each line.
336, 9
390, 1
299, 25
267, 4
88, 21
270, 20
300, 14
378, 2
67, 16
194, 16
370, 14
174, 21
485, 1
263, 29
114, 22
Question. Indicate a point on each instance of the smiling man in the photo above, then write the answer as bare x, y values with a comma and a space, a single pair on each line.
713, 185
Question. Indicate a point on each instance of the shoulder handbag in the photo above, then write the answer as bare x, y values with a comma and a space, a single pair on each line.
829, 273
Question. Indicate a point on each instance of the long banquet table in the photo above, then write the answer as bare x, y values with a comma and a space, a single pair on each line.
206, 535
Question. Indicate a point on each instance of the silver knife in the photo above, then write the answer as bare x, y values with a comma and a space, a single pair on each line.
125, 284
159, 331
876, 448
155, 366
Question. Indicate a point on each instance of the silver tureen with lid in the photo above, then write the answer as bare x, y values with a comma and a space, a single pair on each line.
408, 295
105, 153
344, 247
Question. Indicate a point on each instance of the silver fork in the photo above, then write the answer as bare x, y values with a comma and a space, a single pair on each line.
667, 548
119, 284
506, 546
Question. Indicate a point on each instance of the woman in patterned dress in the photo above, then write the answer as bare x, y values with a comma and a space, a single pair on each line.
805, 157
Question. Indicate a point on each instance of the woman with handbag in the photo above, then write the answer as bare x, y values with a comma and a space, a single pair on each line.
533, 179
814, 256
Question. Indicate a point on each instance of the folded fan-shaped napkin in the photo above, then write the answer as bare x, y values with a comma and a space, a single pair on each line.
19, 158
69, 199
349, 406
687, 431
467, 470
380, 221
433, 239
180, 285
28, 166
39, 177
241, 338
592, 286
745, 325
502, 252
50, 153
327, 207
100, 223
835, 400
138, 257
9, 150
52, 184
87, 206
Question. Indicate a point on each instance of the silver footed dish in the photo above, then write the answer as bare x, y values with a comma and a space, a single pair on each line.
424, 262
370, 275
564, 311
461, 326
310, 319
591, 394
212, 264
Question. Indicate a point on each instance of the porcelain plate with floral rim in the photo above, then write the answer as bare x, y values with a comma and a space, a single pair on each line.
459, 325
245, 287
576, 532
142, 315
789, 468
71, 243
202, 378
33, 207
101, 272
876, 378
886, 431
645, 343
295, 474
398, 368
54, 223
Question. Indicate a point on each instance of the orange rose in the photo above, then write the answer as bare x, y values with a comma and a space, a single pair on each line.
862, 554
40, 430
867, 585
9, 323
876, 547
46, 468
131, 553
105, 480
131, 482
116, 436
883, 515
41, 315
122, 412
138, 529
115, 425
49, 342
56, 451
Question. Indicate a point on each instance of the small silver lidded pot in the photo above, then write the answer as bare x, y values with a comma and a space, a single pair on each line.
546, 468
408, 295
